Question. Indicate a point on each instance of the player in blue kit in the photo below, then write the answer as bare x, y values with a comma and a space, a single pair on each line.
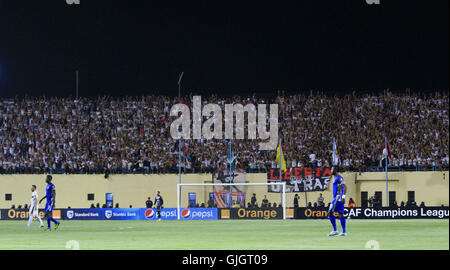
50, 194
337, 205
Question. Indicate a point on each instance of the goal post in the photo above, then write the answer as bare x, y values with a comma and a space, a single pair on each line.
282, 184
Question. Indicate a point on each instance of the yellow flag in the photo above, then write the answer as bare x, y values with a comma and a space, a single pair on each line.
280, 156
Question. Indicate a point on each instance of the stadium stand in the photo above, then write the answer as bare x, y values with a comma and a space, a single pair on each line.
132, 134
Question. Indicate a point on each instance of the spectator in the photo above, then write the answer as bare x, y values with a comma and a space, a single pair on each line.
107, 135
371, 201
351, 203
265, 202
320, 200
376, 202
148, 203
253, 200
312, 161
295, 200
210, 203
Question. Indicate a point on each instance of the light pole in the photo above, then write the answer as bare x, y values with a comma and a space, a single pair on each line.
76, 84
179, 140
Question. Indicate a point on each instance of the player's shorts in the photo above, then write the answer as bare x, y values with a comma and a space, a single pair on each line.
159, 207
339, 208
34, 212
48, 207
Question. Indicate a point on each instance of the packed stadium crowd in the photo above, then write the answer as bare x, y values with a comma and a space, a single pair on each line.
132, 134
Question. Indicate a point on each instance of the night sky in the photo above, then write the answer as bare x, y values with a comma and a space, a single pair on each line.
227, 47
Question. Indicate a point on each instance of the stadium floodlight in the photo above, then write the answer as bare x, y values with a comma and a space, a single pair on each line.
282, 184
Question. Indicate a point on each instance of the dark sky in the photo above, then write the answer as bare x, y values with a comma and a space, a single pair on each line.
139, 47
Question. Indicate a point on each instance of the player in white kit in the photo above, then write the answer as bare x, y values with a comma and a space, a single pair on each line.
34, 207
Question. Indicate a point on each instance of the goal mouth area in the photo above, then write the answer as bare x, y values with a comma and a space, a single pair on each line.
282, 191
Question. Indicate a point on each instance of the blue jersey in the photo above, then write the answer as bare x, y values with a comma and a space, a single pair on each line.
337, 206
48, 191
337, 186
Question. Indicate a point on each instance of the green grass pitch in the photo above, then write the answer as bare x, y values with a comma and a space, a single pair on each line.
228, 235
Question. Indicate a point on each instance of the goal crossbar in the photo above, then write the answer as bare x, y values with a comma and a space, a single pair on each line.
282, 184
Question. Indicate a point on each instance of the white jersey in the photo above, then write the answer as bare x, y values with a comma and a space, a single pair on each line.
34, 197
34, 211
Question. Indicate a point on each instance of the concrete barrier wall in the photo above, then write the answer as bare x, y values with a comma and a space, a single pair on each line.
430, 187
72, 190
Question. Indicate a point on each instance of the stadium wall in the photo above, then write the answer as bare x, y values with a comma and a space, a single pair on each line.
72, 190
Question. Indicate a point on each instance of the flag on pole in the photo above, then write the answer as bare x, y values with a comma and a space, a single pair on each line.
335, 153
231, 159
386, 151
280, 158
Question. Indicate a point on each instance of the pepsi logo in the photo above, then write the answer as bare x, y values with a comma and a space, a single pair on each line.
149, 213
185, 213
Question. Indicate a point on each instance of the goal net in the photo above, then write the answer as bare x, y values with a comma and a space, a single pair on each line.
231, 195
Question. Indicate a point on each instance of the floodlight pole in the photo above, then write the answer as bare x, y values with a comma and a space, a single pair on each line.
386, 158
281, 174
284, 200
179, 140
178, 201
76, 83
231, 175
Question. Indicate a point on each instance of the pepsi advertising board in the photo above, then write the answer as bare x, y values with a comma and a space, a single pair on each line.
186, 213
199, 213
151, 214
139, 214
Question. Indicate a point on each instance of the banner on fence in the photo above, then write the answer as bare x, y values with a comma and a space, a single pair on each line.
300, 179
139, 214
376, 213
252, 213
23, 214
